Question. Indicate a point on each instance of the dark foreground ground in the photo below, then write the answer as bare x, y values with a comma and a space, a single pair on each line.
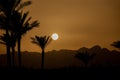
60, 74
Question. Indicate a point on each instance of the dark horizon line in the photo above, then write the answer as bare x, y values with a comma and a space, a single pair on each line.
64, 49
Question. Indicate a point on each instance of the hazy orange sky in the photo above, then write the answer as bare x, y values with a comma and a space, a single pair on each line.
79, 23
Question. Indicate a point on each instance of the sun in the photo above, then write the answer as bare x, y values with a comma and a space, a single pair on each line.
55, 36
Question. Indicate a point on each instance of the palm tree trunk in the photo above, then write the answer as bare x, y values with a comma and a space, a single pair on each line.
42, 64
13, 55
7, 42
8, 49
19, 52
8, 55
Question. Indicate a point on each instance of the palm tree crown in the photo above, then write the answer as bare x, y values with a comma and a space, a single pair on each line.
8, 6
41, 41
116, 44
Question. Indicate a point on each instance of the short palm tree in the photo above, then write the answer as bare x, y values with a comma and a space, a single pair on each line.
41, 41
85, 57
116, 44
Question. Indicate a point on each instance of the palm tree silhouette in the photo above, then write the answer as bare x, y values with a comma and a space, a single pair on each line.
12, 43
85, 57
3, 39
42, 41
116, 44
7, 7
21, 24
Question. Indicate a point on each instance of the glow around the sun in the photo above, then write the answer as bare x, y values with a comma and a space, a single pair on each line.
55, 36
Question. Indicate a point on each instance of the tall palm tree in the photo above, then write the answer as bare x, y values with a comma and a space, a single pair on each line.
13, 40
4, 25
20, 25
12, 43
7, 7
42, 41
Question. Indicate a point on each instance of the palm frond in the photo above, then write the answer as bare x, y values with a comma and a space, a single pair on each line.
3, 38
47, 40
32, 38
116, 44
24, 17
3, 4
29, 26
2, 43
34, 24
2, 21
34, 41
27, 3
41, 41
27, 21
17, 3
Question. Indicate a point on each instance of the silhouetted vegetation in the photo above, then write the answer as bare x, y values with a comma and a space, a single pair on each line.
42, 41
69, 71
15, 23
22, 24
85, 57
116, 44
12, 43
7, 7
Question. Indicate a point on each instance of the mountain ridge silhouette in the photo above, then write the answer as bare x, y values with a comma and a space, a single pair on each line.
66, 58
